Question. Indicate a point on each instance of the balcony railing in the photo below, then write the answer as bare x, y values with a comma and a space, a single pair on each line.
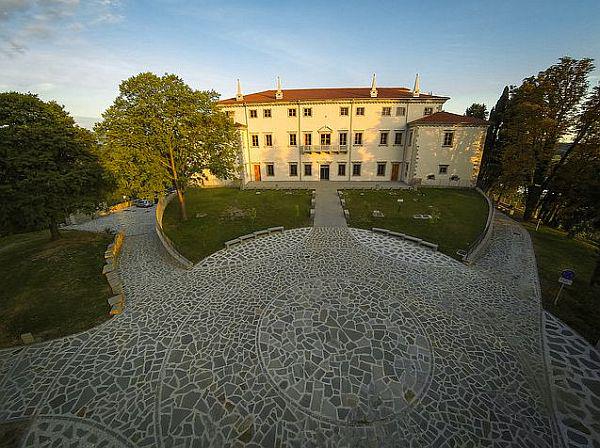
323, 148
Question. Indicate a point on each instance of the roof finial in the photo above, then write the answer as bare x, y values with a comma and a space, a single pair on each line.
238, 95
374, 87
417, 88
279, 93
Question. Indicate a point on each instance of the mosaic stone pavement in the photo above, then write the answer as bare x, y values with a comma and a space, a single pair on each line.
310, 338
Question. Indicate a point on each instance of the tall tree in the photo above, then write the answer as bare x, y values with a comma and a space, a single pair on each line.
490, 169
477, 110
544, 109
161, 133
48, 165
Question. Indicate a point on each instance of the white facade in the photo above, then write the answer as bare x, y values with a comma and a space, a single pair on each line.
361, 139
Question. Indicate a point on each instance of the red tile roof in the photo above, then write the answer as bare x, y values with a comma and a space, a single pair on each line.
448, 118
346, 93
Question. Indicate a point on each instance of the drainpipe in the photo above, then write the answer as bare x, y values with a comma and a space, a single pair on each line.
405, 141
248, 139
351, 138
298, 142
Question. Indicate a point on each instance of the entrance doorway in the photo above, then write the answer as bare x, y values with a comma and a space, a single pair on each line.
324, 172
395, 171
257, 172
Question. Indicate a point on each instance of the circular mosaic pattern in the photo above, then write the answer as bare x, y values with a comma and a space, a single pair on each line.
344, 352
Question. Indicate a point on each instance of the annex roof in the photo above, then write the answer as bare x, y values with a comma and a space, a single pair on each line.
337, 93
448, 118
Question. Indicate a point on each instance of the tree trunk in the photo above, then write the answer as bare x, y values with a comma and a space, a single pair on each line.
531, 202
180, 196
181, 200
53, 226
595, 280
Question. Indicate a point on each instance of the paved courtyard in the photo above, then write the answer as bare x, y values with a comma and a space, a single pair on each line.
314, 337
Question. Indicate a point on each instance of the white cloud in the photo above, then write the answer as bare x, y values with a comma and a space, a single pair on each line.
26, 22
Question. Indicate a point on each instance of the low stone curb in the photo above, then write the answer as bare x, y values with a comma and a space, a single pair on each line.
412, 239
253, 235
111, 258
162, 236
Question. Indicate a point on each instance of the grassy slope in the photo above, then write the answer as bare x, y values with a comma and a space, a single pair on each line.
459, 214
231, 213
579, 304
51, 288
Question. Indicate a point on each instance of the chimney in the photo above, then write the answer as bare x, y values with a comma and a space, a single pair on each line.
238, 95
373, 87
279, 93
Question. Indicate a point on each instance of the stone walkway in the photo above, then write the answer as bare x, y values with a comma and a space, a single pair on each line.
328, 209
311, 338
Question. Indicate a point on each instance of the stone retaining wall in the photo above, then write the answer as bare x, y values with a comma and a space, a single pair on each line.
111, 258
479, 246
162, 236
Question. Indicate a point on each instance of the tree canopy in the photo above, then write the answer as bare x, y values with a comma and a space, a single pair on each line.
477, 110
160, 133
48, 165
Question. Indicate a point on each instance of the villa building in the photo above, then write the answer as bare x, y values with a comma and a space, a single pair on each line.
355, 134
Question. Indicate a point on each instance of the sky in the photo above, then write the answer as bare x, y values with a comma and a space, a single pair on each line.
76, 52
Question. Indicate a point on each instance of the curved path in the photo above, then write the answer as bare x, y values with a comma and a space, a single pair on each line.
313, 337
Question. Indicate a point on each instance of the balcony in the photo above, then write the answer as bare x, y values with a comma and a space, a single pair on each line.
323, 148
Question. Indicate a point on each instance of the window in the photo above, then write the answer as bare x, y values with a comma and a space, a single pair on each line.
293, 169
400, 111
268, 140
307, 112
455, 178
360, 111
428, 111
431, 177
270, 169
381, 169
230, 114
356, 169
307, 139
325, 139
343, 138
448, 138
386, 111
293, 141
383, 138
266, 113
410, 136
398, 138
308, 169
341, 169
253, 113
358, 138
343, 111
291, 112
255, 140
443, 169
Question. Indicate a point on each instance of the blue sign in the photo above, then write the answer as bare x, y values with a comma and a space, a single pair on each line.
566, 277
567, 274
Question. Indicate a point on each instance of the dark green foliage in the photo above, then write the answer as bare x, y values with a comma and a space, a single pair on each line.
477, 110
48, 165
490, 169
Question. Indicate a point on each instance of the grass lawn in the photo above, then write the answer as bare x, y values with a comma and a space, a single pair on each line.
458, 215
579, 304
217, 215
51, 288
